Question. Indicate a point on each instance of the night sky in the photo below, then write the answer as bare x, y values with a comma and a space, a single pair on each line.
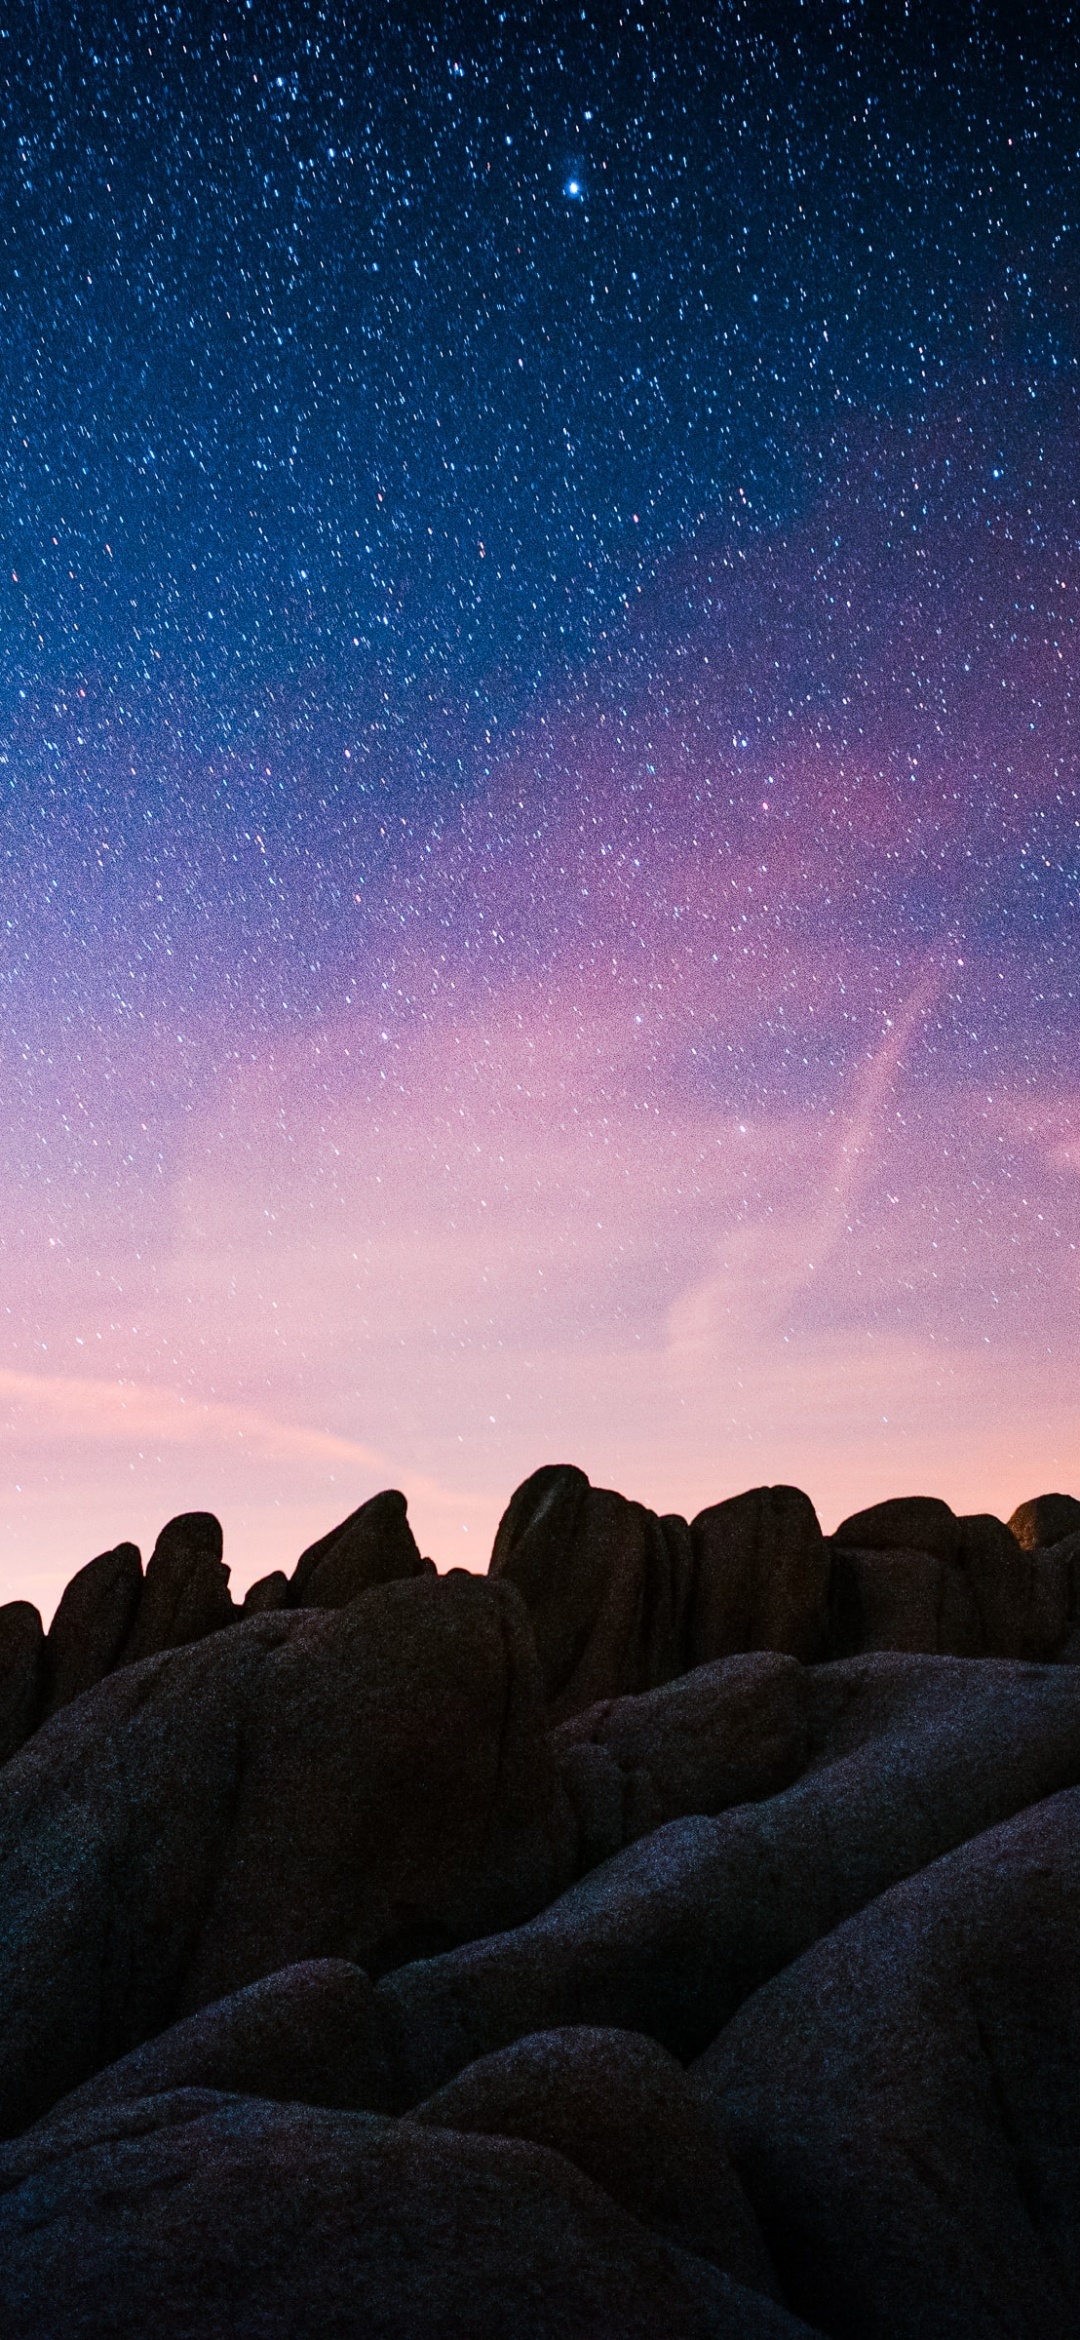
538, 746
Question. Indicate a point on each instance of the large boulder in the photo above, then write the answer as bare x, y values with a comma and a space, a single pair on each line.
370, 1783
908, 1757
903, 2102
267, 1593
1045, 1519
622, 2110
310, 2034
729, 1733
92, 1623
22, 1674
891, 1598
906, 1523
185, 1592
1022, 1594
761, 1577
235, 2219
375, 1545
607, 1585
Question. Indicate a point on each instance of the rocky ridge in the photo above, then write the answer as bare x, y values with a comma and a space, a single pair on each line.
671, 1932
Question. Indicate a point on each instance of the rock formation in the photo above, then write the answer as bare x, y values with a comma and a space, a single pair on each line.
673, 1932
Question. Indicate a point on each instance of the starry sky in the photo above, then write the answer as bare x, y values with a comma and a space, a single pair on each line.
540, 824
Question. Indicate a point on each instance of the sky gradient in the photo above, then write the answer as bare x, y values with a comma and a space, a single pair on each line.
540, 838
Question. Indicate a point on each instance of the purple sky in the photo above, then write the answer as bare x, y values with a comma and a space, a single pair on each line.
539, 737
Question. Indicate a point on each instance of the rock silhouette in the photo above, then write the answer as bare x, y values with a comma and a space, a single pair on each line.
672, 1932
375, 1545
185, 1592
22, 1674
370, 1783
93, 1623
1047, 1519
607, 1585
761, 1576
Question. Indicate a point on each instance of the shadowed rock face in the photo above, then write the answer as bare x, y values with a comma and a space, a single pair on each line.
907, 1757
761, 1576
907, 1523
618, 2107
22, 1674
375, 1545
1047, 1519
185, 1592
903, 2103
370, 1783
92, 1624
607, 1585
896, 1599
225, 2215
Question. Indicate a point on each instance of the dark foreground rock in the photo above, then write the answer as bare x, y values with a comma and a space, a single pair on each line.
623, 2111
904, 2101
607, 1585
907, 1758
233, 2219
185, 1592
352, 1952
22, 1674
369, 1783
761, 1577
92, 1623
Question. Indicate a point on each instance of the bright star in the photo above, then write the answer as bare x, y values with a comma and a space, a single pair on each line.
573, 187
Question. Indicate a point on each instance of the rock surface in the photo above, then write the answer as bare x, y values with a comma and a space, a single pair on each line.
352, 1950
185, 1592
231, 2218
375, 1545
1046, 1519
903, 2101
623, 2111
92, 1623
907, 1758
761, 1576
368, 1783
607, 1585
22, 1674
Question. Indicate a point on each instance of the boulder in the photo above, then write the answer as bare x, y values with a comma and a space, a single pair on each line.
607, 1585
310, 2034
908, 1757
375, 1545
267, 1592
1046, 1519
906, 1523
1022, 1595
185, 1592
729, 1733
221, 2215
902, 2102
622, 2110
22, 1674
902, 1600
369, 1783
761, 1577
92, 1623
1066, 1556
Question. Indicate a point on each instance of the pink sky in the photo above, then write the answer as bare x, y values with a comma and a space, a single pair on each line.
528, 1244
